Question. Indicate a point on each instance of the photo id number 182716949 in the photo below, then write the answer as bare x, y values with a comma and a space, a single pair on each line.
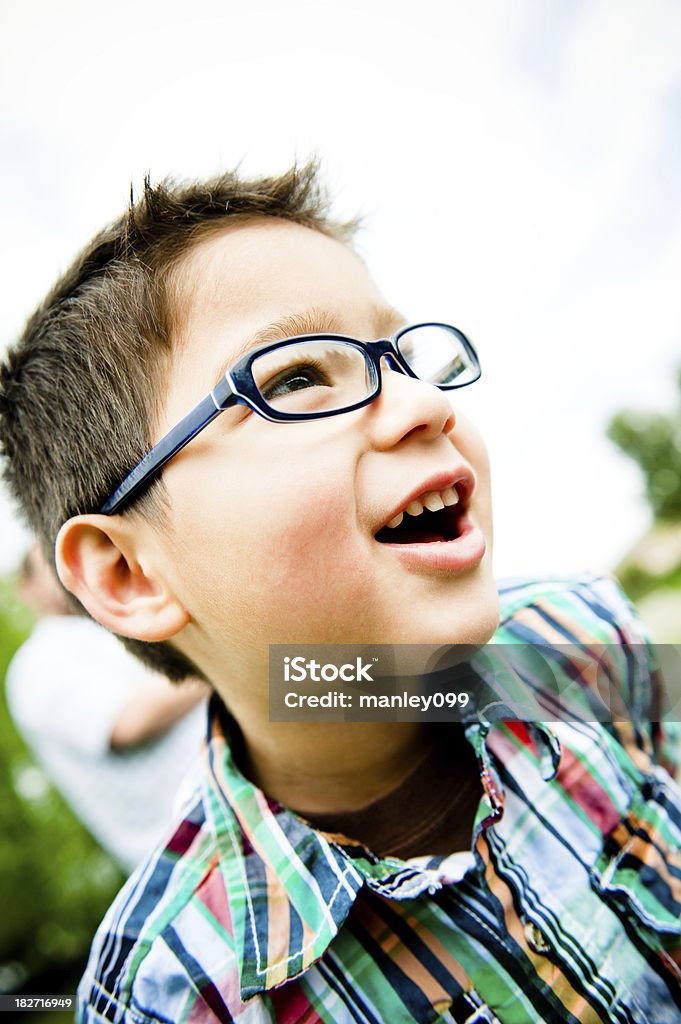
28, 1003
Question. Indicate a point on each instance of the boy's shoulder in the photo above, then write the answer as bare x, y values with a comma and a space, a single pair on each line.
144, 952
590, 612
597, 635
589, 609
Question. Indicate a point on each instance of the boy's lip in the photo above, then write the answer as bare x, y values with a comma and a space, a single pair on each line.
461, 478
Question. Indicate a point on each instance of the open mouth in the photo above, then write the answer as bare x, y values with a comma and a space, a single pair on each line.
429, 519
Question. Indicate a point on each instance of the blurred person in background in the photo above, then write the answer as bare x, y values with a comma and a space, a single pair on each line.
116, 738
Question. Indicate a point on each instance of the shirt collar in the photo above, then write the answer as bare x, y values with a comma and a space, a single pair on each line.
290, 887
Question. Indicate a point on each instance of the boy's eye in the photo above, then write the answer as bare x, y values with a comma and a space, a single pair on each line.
311, 377
293, 378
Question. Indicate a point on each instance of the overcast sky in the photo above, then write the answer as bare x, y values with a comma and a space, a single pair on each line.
518, 165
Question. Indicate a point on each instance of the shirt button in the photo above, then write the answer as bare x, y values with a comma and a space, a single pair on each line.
535, 938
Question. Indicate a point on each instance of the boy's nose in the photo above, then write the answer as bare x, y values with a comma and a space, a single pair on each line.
408, 406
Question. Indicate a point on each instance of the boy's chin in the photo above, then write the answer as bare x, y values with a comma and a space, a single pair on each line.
469, 637
469, 624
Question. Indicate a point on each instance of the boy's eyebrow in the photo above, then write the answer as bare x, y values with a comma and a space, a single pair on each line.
311, 321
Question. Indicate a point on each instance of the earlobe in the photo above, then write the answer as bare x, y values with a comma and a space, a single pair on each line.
97, 560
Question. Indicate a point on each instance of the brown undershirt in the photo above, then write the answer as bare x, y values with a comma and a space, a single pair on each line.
431, 812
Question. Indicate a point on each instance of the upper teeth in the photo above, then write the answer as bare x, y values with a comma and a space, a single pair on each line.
433, 501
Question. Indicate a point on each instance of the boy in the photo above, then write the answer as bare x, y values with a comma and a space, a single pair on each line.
338, 871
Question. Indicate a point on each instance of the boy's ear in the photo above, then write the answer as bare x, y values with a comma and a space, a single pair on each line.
96, 558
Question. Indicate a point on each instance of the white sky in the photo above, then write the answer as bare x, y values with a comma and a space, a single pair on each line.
518, 165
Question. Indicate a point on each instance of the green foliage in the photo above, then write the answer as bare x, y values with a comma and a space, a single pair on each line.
55, 882
638, 583
654, 441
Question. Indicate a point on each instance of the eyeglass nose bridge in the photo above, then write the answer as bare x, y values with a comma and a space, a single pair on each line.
386, 348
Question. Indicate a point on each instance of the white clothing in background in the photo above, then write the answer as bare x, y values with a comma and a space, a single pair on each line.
66, 686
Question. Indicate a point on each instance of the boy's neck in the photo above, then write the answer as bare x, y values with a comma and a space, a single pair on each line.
432, 812
332, 767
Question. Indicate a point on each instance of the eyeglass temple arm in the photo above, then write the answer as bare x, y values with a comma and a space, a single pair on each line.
169, 445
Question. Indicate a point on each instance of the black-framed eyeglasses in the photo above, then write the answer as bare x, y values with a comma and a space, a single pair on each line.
310, 377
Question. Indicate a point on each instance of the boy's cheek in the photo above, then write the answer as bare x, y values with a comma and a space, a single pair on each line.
468, 440
281, 550
313, 550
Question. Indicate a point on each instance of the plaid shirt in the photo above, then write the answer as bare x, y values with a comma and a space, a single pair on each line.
567, 908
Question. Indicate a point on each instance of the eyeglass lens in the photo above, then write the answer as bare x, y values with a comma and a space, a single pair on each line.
438, 355
313, 376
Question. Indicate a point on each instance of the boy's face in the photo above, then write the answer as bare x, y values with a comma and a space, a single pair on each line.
272, 526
